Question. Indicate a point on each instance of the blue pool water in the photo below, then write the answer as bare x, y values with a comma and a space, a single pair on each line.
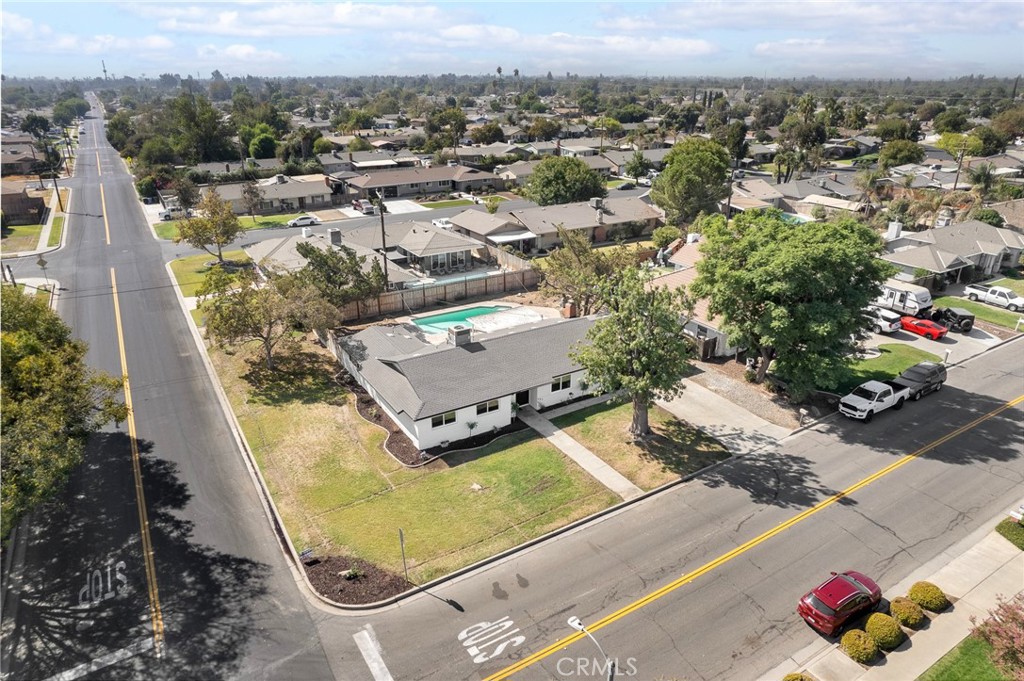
439, 323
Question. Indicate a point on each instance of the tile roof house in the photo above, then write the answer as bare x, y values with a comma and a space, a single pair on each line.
415, 382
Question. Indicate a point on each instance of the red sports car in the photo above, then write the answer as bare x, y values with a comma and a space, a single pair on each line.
923, 327
837, 600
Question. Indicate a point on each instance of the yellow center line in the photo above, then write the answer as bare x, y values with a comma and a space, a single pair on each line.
743, 548
140, 497
106, 223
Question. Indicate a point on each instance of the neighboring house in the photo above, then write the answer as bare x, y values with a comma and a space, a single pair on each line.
222, 167
628, 216
419, 245
1012, 212
435, 393
702, 325
518, 173
578, 151
619, 159
989, 249
831, 204
497, 230
476, 154
541, 148
18, 207
758, 190
280, 194
762, 153
419, 181
281, 254
912, 259
15, 162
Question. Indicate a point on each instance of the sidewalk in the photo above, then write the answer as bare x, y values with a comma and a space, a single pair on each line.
739, 430
602, 472
991, 567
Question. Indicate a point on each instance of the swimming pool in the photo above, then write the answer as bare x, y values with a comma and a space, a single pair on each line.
439, 323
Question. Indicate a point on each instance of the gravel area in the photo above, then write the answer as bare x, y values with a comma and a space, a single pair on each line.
726, 379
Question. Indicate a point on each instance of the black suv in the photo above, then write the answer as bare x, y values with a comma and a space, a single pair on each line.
956, 318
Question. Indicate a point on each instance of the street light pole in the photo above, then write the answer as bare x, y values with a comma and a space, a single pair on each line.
578, 625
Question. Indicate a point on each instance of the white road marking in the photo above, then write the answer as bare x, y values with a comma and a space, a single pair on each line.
137, 648
369, 646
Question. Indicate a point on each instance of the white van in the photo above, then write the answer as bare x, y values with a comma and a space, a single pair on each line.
883, 321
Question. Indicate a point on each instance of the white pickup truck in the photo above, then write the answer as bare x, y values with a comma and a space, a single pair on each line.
869, 398
995, 295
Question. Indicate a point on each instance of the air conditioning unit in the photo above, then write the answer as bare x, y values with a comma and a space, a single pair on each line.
459, 335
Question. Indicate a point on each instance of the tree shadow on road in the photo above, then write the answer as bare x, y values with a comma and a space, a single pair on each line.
87, 594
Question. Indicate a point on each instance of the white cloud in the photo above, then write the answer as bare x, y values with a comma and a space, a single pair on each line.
19, 28
238, 53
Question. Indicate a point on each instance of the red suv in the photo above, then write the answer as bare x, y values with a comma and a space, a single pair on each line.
837, 600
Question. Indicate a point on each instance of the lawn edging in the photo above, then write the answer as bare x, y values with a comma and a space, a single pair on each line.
288, 549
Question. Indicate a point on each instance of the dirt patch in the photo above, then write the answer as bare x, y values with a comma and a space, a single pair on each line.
998, 331
727, 378
369, 585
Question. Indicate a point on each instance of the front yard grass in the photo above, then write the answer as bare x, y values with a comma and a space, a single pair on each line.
17, 238
1013, 531
1015, 284
340, 493
969, 661
454, 203
169, 229
190, 271
56, 229
984, 312
894, 360
675, 449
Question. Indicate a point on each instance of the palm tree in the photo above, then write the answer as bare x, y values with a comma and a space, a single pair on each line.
983, 178
869, 182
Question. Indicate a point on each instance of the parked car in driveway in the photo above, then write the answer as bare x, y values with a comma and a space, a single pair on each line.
923, 327
883, 321
956, 318
839, 599
922, 378
995, 295
626, 185
304, 221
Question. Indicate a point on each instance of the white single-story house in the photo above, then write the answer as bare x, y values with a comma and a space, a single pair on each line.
629, 215
440, 394
989, 249
280, 193
418, 181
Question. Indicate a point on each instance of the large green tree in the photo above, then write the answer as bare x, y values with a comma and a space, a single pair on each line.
563, 179
215, 226
695, 179
243, 308
638, 165
575, 270
639, 348
794, 293
339, 274
899, 152
50, 402
200, 133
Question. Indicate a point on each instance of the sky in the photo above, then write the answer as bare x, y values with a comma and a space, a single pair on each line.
890, 39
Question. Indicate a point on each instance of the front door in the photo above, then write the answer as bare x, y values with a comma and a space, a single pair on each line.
523, 398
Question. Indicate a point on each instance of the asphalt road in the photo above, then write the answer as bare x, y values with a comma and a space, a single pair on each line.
228, 605
737, 619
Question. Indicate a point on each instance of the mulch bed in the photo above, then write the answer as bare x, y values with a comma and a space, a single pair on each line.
373, 583
398, 443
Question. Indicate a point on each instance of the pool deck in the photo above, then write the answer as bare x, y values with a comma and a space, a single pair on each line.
515, 315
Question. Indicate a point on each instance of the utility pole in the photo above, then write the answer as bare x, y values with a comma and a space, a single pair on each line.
959, 163
383, 237
104, 69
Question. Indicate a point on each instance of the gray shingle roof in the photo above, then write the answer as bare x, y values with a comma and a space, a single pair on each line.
546, 219
424, 380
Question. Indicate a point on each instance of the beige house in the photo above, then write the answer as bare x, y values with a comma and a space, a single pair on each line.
281, 193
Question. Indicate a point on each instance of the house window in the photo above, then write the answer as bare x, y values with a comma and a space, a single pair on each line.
413, 185
442, 420
561, 383
487, 407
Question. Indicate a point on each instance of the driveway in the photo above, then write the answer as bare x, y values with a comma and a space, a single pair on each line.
953, 349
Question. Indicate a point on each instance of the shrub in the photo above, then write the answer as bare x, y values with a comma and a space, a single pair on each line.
796, 676
1004, 631
906, 612
928, 596
859, 646
884, 630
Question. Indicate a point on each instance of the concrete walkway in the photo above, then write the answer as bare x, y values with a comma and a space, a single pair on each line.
739, 430
991, 567
602, 472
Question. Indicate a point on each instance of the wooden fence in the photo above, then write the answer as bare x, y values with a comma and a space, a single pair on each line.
398, 303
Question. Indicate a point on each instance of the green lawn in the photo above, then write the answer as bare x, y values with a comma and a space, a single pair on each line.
675, 449
894, 360
612, 184
41, 292
340, 493
969, 661
189, 272
455, 203
169, 229
1015, 284
989, 313
17, 238
56, 229
1013, 531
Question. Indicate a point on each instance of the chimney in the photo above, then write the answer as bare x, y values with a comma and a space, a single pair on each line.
459, 335
335, 236
600, 216
895, 229
281, 179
